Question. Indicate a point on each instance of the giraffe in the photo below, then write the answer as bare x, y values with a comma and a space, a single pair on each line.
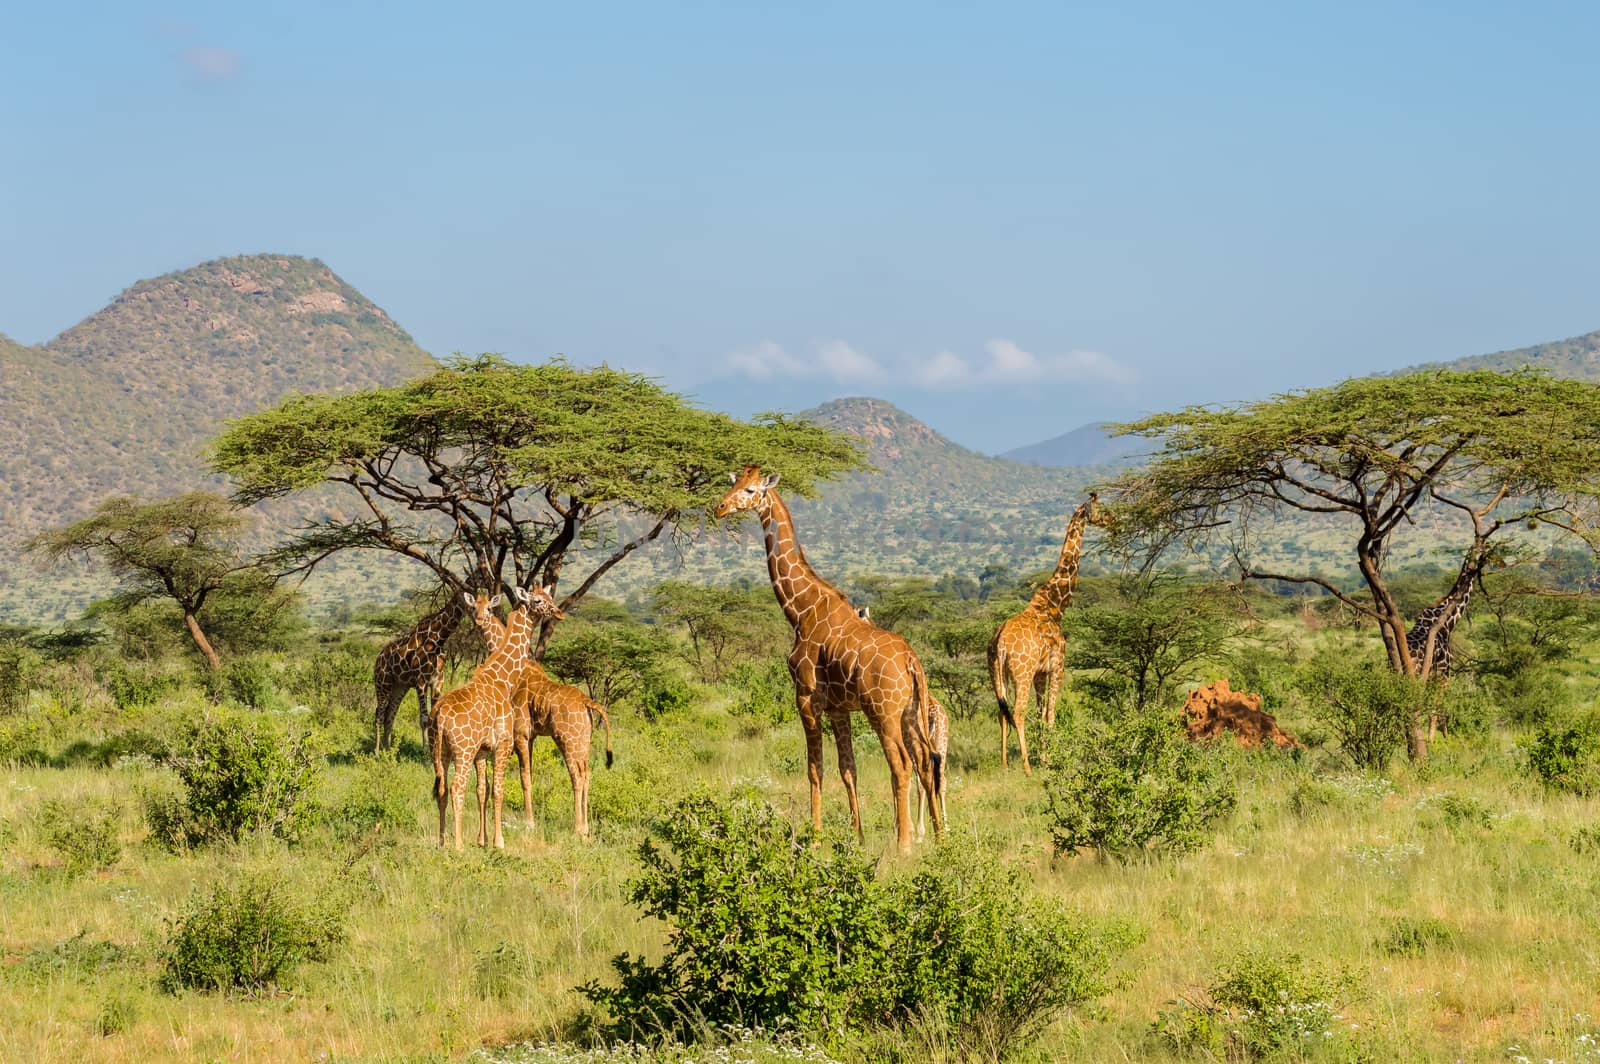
475, 720
541, 705
413, 662
938, 751
1028, 650
1439, 620
841, 663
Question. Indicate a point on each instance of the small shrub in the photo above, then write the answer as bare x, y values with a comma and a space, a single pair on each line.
86, 839
1408, 936
19, 667
763, 692
246, 681
116, 1015
380, 802
247, 934
136, 684
1134, 786
1585, 839
1263, 1006
1366, 705
241, 773
498, 972
663, 694
1567, 757
78, 957
1460, 812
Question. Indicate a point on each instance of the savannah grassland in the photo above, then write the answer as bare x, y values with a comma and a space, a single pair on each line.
447, 953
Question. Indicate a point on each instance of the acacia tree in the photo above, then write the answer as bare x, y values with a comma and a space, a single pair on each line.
490, 473
178, 548
1481, 458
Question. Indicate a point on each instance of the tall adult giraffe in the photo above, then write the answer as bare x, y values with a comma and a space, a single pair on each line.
1437, 622
474, 721
841, 663
1028, 650
413, 662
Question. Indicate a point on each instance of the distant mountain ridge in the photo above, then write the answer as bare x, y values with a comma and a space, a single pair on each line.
1086, 445
1577, 357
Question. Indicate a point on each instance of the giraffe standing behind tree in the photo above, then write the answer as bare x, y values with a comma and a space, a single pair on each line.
841, 663
413, 662
1028, 651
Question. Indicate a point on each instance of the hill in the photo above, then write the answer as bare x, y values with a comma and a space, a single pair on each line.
1086, 445
1577, 357
126, 400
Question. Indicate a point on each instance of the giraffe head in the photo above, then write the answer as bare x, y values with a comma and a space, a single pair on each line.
540, 604
1099, 515
749, 487
482, 606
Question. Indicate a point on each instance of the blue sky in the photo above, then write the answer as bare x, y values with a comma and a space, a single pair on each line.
1008, 218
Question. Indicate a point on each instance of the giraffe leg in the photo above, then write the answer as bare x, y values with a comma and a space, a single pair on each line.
1020, 720
502, 761
844, 743
525, 773
441, 785
458, 791
813, 730
385, 708
575, 755
899, 758
481, 771
1053, 686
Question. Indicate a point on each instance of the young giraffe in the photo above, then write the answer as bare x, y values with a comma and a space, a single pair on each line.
938, 752
475, 719
841, 664
413, 662
541, 705
1029, 650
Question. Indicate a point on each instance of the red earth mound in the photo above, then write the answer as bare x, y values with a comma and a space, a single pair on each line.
1217, 708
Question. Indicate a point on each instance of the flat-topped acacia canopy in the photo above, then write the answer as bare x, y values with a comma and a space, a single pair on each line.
492, 473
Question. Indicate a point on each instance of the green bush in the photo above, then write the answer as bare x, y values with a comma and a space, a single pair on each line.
19, 666
1408, 936
1135, 785
87, 839
241, 773
381, 802
1566, 757
663, 694
247, 934
335, 680
116, 1015
78, 957
763, 692
1263, 1006
136, 684
1366, 705
765, 930
246, 681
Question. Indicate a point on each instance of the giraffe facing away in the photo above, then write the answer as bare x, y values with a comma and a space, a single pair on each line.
841, 664
542, 705
1440, 619
413, 662
474, 721
1028, 651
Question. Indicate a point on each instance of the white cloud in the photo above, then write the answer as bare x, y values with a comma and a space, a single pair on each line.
835, 359
212, 64
944, 370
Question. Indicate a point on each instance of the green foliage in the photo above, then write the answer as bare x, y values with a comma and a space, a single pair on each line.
19, 666
1134, 786
764, 929
1566, 757
664, 693
763, 692
1149, 633
1263, 1006
723, 624
87, 838
611, 659
78, 957
534, 461
1409, 936
247, 934
117, 1014
135, 684
1366, 706
241, 773
381, 802
246, 681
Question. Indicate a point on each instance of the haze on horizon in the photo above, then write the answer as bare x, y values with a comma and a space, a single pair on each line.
1009, 219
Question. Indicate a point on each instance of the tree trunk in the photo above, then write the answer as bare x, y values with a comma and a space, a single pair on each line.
1416, 742
201, 641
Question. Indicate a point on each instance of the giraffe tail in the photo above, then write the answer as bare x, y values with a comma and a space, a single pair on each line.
605, 719
924, 704
997, 672
436, 741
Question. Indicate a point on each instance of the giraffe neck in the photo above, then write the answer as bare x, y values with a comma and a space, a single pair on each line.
437, 626
801, 593
1056, 594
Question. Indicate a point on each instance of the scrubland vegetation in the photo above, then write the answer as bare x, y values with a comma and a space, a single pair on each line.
208, 864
